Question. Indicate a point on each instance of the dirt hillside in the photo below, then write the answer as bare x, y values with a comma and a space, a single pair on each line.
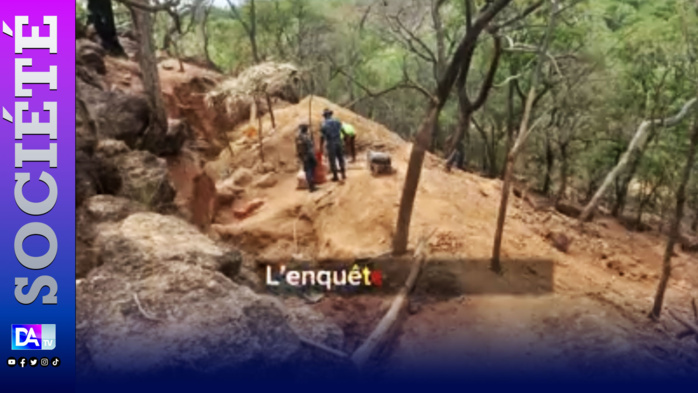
591, 313
584, 309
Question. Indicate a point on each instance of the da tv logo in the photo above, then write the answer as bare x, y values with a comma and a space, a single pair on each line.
41, 337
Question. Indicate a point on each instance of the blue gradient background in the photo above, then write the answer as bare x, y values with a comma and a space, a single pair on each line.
61, 219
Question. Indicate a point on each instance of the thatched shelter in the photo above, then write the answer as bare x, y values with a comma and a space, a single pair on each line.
270, 79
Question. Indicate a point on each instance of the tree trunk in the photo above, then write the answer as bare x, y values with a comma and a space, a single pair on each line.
549, 162
694, 223
271, 112
414, 169
102, 18
634, 143
465, 107
462, 128
142, 20
204, 32
253, 32
443, 90
622, 192
440, 64
675, 225
564, 173
434, 136
510, 124
489, 160
496, 264
524, 131
621, 186
640, 210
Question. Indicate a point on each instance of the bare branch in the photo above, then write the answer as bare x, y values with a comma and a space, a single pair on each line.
637, 138
236, 14
466, 44
528, 11
688, 325
414, 38
506, 81
489, 79
468, 14
150, 8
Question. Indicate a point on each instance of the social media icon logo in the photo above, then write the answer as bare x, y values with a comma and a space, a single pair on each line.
33, 337
11, 362
44, 362
22, 362
55, 362
33, 362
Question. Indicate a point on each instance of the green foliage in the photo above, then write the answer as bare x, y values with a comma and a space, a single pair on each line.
617, 62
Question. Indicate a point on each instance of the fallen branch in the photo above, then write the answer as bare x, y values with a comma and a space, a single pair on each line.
385, 326
690, 331
688, 325
146, 314
323, 348
634, 143
149, 8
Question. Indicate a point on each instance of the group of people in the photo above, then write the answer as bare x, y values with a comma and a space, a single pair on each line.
335, 136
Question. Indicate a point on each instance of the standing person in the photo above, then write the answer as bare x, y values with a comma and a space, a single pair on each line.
306, 155
349, 134
331, 133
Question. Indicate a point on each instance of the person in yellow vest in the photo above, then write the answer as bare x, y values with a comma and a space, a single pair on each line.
349, 136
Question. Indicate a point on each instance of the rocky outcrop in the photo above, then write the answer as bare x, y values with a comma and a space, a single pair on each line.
145, 179
162, 299
121, 116
153, 292
91, 55
96, 212
94, 175
109, 148
169, 143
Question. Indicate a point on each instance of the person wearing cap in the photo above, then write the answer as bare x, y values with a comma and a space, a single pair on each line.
306, 154
349, 135
331, 136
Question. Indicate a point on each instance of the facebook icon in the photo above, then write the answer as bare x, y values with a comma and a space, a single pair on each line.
33, 337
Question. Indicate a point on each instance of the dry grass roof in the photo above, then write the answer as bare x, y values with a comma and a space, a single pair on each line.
265, 78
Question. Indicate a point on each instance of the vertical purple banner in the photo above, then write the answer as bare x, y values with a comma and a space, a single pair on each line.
37, 172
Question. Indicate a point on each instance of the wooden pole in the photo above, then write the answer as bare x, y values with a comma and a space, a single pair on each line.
259, 131
271, 111
386, 325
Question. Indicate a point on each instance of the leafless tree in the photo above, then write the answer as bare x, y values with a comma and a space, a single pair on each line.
424, 134
249, 25
524, 131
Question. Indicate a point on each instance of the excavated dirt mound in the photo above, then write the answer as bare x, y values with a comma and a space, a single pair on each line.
584, 309
356, 218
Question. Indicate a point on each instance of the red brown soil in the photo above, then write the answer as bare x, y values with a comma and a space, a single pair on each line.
602, 287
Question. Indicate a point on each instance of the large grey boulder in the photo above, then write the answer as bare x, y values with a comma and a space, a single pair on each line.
90, 54
145, 178
92, 216
170, 142
162, 300
94, 175
121, 116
